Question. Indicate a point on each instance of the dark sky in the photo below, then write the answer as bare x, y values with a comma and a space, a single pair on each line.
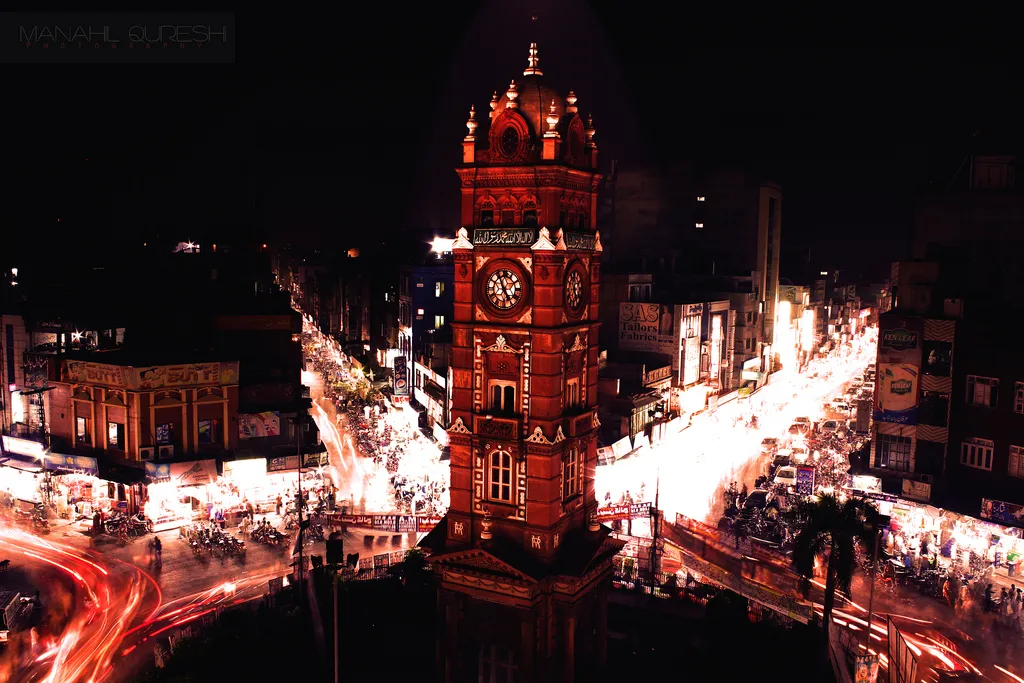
331, 131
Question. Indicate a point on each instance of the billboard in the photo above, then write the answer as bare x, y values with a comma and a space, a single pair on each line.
196, 473
899, 368
691, 360
258, 425
401, 384
1002, 512
646, 327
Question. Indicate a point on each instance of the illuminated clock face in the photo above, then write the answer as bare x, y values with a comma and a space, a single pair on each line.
574, 290
509, 141
504, 289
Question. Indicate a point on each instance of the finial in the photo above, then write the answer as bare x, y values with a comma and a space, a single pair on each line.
590, 129
512, 94
570, 101
552, 117
532, 69
494, 105
471, 123
485, 526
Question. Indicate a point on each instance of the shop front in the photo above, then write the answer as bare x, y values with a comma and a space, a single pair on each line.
179, 492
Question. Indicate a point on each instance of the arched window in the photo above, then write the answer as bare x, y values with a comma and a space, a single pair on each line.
487, 214
530, 213
502, 396
500, 476
572, 474
572, 393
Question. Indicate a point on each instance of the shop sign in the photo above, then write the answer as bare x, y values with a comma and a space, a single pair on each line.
647, 327
658, 375
805, 481
753, 375
196, 473
385, 522
580, 240
290, 462
917, 490
76, 463
407, 524
425, 524
251, 467
744, 392
401, 379
157, 472
258, 425
33, 449
1002, 512
624, 511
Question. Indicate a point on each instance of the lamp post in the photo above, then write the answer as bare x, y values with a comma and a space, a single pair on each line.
299, 498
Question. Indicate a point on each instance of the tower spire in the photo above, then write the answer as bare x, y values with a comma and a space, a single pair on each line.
532, 68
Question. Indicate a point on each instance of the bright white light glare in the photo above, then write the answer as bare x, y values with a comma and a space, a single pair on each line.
441, 245
700, 199
76, 336
14, 272
699, 225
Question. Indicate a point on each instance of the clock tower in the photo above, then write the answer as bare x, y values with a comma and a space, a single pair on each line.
522, 565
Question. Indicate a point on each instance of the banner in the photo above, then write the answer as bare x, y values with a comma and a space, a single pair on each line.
72, 463
624, 511
401, 379
258, 425
691, 360
805, 481
1002, 512
899, 369
158, 472
197, 473
646, 327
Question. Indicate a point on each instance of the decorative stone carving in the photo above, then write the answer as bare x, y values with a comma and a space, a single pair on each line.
538, 437
559, 240
597, 422
462, 240
597, 244
577, 345
485, 527
543, 242
527, 263
458, 427
526, 318
559, 435
501, 346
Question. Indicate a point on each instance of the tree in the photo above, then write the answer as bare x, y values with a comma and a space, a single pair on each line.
828, 526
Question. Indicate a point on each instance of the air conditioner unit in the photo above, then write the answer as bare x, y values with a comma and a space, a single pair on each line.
147, 452
165, 452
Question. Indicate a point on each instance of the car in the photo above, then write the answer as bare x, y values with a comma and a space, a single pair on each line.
758, 499
829, 426
842, 407
786, 476
803, 420
799, 429
769, 445
800, 454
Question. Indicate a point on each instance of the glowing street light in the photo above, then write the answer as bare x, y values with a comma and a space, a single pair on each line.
441, 245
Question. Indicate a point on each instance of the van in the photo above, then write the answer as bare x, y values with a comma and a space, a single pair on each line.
12, 613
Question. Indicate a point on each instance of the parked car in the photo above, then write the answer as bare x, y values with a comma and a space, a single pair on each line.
829, 426
786, 476
799, 429
800, 454
769, 445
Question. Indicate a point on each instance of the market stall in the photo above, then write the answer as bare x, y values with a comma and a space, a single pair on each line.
179, 492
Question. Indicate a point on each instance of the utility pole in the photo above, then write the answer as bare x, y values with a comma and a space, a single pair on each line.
299, 498
337, 638
874, 570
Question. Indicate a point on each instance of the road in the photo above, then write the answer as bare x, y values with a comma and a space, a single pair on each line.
687, 472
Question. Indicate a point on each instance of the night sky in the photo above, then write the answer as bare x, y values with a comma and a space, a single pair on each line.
331, 134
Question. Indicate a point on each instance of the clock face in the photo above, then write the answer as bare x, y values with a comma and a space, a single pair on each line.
504, 289
509, 141
574, 290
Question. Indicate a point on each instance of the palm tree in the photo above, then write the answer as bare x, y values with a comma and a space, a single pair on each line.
826, 525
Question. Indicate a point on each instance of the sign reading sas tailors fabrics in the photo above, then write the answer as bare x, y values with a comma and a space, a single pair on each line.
646, 327
196, 473
896, 393
401, 377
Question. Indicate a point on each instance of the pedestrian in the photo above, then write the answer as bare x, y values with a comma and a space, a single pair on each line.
250, 511
158, 550
278, 502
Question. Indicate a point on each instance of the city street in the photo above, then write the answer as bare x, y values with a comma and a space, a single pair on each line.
688, 470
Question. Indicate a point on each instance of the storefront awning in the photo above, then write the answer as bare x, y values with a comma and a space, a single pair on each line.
21, 463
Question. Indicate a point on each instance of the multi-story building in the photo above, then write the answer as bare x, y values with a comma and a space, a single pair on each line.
433, 303
523, 566
697, 224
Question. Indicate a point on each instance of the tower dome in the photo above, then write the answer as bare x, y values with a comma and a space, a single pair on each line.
530, 122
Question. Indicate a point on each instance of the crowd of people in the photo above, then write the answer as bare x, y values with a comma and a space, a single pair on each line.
406, 462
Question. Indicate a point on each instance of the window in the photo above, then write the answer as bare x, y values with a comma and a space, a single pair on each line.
571, 474
750, 316
640, 293
1016, 468
894, 452
207, 432
982, 391
438, 321
438, 289
572, 392
977, 453
501, 476
419, 312
1018, 398
115, 436
530, 217
82, 433
699, 225
508, 217
503, 396
497, 665
164, 433
934, 409
748, 344
486, 218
